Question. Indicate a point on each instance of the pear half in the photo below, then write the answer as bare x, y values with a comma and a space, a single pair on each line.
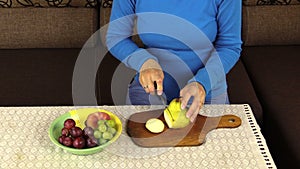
155, 125
174, 116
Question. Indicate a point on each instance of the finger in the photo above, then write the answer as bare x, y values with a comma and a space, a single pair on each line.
159, 87
142, 80
193, 111
151, 87
145, 81
194, 115
157, 78
146, 88
185, 97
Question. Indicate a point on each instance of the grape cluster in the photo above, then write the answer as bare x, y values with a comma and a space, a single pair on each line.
73, 136
105, 131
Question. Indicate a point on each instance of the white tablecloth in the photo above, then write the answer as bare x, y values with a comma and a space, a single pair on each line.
24, 143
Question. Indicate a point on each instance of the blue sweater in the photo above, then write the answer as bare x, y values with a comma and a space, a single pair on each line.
194, 40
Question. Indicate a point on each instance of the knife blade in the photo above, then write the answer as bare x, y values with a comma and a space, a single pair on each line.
164, 102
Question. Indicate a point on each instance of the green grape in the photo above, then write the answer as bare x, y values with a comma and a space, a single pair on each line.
97, 134
110, 123
107, 135
112, 130
102, 141
102, 128
101, 122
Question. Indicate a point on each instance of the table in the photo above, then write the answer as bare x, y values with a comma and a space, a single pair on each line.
24, 143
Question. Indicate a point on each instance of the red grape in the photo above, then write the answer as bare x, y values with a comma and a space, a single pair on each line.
76, 132
88, 131
65, 132
69, 123
68, 141
91, 142
61, 139
79, 142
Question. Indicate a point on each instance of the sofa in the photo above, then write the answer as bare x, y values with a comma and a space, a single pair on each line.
271, 35
41, 41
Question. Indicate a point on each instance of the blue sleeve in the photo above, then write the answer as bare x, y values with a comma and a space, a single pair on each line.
227, 45
120, 30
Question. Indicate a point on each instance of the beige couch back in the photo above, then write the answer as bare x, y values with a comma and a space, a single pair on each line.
47, 24
69, 23
265, 22
271, 22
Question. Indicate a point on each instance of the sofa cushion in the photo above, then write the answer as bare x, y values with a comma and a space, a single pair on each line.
241, 91
47, 3
274, 72
271, 25
37, 77
113, 78
46, 27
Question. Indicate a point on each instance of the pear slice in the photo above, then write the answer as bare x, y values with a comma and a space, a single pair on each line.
175, 117
155, 125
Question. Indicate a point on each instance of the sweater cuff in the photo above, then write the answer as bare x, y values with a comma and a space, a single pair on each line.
138, 58
203, 78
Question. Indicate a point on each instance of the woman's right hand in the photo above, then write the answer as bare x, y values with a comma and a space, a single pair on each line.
150, 73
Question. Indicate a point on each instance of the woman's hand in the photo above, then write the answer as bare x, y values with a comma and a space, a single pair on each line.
151, 72
196, 90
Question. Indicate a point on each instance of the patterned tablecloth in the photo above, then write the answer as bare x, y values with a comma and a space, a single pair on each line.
24, 143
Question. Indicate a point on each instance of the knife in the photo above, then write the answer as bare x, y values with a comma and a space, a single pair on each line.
164, 102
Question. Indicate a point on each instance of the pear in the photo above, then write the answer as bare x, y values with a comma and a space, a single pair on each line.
155, 125
176, 117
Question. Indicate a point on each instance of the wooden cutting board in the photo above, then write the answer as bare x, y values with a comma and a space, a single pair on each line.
192, 135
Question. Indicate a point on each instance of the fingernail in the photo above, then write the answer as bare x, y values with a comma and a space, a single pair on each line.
182, 106
192, 119
159, 92
187, 115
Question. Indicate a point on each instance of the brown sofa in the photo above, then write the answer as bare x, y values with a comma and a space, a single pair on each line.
271, 35
40, 43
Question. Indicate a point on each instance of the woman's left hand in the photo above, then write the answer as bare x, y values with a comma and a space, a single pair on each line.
196, 90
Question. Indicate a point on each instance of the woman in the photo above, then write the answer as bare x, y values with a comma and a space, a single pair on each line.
190, 46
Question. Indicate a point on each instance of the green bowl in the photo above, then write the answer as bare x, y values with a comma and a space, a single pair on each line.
80, 115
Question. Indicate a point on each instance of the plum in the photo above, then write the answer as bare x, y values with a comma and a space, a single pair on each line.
92, 121
103, 116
